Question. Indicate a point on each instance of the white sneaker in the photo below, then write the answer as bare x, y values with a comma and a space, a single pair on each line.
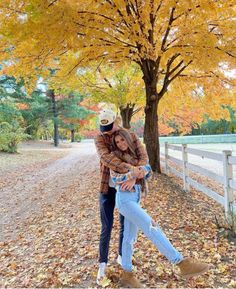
119, 260
101, 272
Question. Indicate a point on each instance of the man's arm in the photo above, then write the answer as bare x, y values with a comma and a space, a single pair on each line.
108, 158
140, 150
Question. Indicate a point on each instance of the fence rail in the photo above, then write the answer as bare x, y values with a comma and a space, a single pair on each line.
199, 139
226, 161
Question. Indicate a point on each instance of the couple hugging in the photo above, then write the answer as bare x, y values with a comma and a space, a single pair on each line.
124, 171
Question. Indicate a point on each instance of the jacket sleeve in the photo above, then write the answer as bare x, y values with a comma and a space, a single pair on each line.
148, 171
121, 178
108, 158
140, 150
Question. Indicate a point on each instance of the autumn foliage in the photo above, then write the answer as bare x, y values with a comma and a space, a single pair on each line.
191, 41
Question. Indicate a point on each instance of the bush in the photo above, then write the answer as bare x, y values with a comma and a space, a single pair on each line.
10, 136
89, 133
78, 137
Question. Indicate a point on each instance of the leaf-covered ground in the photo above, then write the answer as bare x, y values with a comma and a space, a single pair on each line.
57, 244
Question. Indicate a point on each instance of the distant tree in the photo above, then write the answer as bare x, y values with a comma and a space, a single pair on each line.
12, 127
221, 126
120, 86
71, 113
35, 111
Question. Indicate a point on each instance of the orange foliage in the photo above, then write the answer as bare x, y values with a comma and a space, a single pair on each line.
164, 129
89, 133
22, 106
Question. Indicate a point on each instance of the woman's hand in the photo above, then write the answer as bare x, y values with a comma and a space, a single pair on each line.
139, 172
128, 185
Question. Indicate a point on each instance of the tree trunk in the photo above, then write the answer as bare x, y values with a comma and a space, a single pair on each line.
55, 117
151, 136
126, 113
72, 131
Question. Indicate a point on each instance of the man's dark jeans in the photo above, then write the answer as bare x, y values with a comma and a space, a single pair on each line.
107, 205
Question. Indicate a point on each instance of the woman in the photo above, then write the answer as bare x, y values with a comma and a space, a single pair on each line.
128, 203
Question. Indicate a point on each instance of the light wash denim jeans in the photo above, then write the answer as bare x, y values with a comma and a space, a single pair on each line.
128, 204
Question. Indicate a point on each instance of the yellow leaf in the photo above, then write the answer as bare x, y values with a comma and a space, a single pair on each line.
13, 266
232, 283
105, 282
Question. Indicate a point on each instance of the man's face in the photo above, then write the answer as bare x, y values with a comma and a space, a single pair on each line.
110, 132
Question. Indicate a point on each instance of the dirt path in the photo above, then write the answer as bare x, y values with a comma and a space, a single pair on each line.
29, 191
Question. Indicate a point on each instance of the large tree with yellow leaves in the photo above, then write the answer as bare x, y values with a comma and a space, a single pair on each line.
190, 39
122, 87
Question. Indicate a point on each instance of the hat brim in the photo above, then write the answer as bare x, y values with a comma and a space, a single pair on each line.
106, 128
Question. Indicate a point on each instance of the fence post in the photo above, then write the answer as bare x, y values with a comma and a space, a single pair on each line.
185, 169
166, 158
228, 175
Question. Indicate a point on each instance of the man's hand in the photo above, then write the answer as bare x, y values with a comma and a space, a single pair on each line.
139, 173
128, 185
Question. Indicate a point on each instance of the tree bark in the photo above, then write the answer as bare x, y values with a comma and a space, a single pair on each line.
72, 135
151, 135
51, 94
126, 113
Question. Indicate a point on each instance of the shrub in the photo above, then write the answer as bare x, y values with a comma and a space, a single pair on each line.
11, 134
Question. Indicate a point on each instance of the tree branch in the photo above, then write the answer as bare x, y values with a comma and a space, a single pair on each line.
104, 78
226, 52
139, 18
168, 73
171, 19
106, 33
13, 10
158, 8
54, 1
176, 67
97, 14
180, 71
120, 13
137, 110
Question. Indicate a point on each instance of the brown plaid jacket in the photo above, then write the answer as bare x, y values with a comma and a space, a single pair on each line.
108, 160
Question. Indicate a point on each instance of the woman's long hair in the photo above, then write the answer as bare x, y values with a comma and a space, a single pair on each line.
123, 155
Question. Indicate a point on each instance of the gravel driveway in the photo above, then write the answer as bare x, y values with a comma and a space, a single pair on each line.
27, 192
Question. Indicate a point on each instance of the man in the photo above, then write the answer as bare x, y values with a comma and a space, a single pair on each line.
103, 142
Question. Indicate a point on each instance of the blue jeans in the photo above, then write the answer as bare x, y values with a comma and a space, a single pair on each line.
128, 204
107, 205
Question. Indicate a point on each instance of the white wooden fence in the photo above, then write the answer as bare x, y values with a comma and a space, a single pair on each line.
226, 160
